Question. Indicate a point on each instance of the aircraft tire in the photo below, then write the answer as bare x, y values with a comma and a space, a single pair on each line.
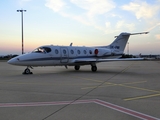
76, 67
94, 68
27, 71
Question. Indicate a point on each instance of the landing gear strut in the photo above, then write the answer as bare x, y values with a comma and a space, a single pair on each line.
27, 71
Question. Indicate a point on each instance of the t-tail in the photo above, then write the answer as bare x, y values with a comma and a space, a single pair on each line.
119, 44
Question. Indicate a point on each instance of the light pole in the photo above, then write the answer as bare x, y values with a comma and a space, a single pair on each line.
22, 25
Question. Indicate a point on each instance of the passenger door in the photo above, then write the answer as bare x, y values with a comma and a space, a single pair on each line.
64, 54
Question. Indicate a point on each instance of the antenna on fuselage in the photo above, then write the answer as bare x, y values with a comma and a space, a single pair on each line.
70, 44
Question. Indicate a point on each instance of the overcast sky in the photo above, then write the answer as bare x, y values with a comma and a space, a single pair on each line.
83, 22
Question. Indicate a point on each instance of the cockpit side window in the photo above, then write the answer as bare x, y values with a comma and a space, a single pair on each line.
42, 50
47, 49
38, 50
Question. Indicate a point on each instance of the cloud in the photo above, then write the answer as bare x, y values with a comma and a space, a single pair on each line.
102, 15
22, 2
25, 0
157, 36
90, 9
153, 27
94, 7
55, 5
119, 24
116, 15
108, 24
123, 25
142, 9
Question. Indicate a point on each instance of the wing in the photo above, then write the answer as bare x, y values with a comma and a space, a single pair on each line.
90, 60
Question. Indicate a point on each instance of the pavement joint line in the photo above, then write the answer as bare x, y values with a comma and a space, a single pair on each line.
109, 78
96, 101
81, 96
96, 86
132, 98
124, 84
126, 110
127, 67
113, 84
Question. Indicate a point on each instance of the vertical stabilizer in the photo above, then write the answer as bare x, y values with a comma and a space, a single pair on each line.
119, 44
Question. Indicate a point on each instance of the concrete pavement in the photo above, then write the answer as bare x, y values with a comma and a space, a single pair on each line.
118, 90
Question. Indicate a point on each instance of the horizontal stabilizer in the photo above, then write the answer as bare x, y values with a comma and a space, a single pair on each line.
134, 33
139, 33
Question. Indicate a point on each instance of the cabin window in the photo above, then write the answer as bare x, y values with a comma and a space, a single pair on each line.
84, 51
56, 51
90, 51
72, 52
78, 51
64, 52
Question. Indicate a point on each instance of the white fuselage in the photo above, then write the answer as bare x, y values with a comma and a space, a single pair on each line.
61, 55
74, 56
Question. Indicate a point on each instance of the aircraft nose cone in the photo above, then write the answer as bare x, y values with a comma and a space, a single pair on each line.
13, 61
9, 61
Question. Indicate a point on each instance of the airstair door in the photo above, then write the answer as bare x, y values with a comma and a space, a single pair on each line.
64, 55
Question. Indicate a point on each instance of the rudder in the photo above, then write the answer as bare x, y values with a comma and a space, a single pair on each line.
119, 44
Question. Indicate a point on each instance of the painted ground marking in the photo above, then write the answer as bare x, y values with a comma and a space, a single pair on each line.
97, 101
141, 97
109, 84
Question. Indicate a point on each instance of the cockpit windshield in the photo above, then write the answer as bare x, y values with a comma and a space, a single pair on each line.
42, 50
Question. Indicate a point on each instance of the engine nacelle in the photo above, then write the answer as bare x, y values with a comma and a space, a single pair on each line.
102, 51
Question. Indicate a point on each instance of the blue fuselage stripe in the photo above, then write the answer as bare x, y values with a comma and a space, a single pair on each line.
70, 58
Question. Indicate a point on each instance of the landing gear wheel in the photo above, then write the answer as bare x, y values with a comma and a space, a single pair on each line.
94, 68
27, 71
76, 67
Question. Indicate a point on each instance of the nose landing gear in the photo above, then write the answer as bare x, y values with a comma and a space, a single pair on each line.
27, 71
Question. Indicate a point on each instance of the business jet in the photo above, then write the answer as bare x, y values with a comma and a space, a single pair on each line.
50, 55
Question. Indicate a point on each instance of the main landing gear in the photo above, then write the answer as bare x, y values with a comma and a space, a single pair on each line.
76, 67
27, 71
93, 67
